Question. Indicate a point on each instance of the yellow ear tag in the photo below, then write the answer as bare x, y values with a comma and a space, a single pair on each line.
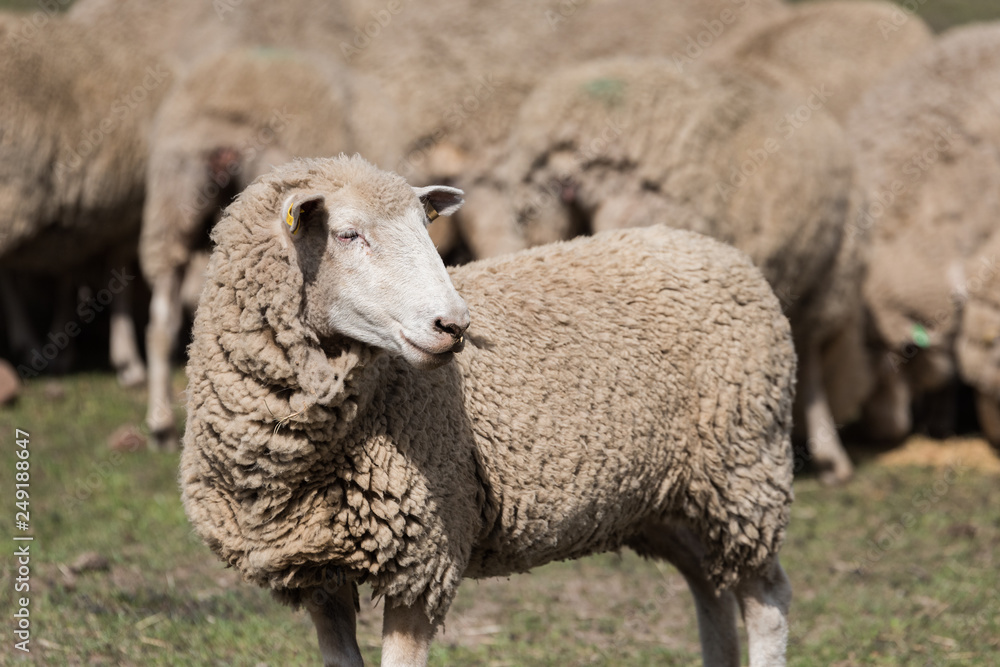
431, 212
291, 221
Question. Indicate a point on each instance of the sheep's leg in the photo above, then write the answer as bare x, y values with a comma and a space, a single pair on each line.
20, 335
407, 634
720, 643
124, 351
764, 600
333, 613
824, 443
164, 327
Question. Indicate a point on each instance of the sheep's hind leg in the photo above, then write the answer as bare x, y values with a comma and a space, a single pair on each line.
161, 335
720, 643
407, 634
333, 612
764, 600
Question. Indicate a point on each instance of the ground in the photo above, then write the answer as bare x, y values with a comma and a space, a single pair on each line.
899, 567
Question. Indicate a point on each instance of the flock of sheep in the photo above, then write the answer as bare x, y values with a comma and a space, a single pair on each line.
853, 156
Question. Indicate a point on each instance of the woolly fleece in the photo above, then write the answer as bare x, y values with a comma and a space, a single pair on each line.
629, 141
264, 106
608, 384
74, 113
926, 141
835, 49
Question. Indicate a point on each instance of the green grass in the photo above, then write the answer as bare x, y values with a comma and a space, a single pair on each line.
900, 567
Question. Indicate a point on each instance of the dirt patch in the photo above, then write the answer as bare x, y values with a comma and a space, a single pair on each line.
918, 450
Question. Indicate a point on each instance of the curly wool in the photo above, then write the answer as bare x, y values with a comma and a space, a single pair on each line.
589, 404
632, 142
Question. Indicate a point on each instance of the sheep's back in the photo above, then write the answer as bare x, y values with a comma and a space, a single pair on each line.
718, 144
632, 375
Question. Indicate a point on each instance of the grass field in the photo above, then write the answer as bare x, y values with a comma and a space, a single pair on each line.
899, 568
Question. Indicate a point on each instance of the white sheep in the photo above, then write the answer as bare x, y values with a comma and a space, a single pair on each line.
631, 142
630, 389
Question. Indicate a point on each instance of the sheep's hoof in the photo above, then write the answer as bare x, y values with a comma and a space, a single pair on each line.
133, 375
837, 474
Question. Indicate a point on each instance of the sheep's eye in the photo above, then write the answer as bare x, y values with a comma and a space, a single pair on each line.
347, 236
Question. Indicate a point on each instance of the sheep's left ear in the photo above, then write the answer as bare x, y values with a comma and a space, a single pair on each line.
300, 209
439, 200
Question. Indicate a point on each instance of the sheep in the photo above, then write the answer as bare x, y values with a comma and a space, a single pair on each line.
231, 118
74, 114
631, 142
460, 93
926, 141
496, 52
976, 345
835, 49
334, 435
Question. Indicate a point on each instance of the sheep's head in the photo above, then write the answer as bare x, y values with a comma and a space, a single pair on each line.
370, 271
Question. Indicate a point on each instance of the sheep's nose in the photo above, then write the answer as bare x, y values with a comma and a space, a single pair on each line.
453, 326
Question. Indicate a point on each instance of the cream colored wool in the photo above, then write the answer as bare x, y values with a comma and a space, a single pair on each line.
927, 143
75, 113
263, 106
977, 347
978, 338
621, 142
608, 384
631, 142
187, 31
459, 69
833, 49
689, 32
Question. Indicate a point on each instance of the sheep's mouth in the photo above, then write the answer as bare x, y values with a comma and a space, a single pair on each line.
429, 358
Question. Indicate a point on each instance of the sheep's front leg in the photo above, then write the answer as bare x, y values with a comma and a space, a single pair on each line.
161, 334
407, 634
333, 613
764, 600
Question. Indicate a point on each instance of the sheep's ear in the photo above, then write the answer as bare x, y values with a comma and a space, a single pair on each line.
439, 200
300, 210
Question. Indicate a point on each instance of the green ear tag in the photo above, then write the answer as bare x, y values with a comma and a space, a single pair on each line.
921, 338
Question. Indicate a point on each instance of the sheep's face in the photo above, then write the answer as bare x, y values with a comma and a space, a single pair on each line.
371, 273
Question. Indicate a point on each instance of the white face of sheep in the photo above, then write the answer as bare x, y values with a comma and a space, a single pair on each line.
376, 277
